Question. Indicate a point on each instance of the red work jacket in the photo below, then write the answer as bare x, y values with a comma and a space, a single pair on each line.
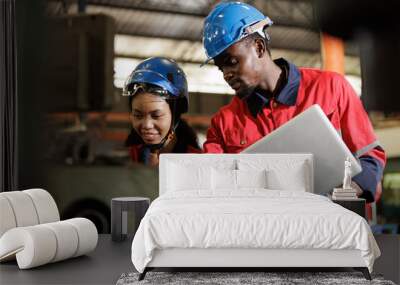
234, 128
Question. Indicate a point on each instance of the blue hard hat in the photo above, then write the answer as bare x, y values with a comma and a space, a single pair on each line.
163, 73
228, 23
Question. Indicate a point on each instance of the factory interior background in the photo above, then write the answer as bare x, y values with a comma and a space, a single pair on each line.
74, 56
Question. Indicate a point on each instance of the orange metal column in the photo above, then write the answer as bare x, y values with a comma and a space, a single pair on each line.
332, 51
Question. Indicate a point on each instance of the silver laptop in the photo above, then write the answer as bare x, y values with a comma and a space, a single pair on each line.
311, 132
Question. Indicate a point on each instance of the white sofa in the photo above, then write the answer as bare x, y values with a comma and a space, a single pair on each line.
31, 231
181, 228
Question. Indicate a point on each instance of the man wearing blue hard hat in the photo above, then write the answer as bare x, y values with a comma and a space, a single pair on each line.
271, 92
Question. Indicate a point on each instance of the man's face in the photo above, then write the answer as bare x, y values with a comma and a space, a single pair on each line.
240, 66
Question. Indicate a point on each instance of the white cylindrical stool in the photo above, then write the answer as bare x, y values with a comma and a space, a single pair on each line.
120, 207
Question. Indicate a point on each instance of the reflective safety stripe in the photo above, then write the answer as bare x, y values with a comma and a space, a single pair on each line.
365, 149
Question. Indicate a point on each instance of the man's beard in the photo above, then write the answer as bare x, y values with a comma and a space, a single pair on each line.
245, 92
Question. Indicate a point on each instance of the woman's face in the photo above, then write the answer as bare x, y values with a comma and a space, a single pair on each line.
151, 117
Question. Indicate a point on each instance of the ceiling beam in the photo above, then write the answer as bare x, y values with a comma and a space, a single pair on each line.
282, 21
145, 7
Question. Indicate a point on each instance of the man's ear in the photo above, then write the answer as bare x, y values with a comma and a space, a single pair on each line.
260, 47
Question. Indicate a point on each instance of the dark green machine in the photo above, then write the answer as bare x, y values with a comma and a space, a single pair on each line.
87, 190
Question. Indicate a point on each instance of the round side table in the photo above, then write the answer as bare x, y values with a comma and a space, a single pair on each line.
124, 208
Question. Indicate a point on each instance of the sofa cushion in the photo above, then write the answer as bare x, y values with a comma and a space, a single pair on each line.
41, 244
7, 217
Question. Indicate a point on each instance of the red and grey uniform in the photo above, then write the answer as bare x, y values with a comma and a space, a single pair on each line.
243, 122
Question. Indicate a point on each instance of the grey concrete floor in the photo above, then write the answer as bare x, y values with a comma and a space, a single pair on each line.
102, 266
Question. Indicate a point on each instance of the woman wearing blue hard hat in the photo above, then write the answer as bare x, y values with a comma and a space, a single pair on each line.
158, 95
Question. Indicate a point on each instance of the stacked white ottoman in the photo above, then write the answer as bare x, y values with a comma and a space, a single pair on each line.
31, 230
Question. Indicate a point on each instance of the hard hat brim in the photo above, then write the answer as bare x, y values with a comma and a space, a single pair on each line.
155, 78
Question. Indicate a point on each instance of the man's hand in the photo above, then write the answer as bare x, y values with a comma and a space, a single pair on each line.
357, 188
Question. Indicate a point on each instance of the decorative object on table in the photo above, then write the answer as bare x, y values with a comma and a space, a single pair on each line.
347, 174
344, 194
243, 278
120, 207
31, 231
347, 192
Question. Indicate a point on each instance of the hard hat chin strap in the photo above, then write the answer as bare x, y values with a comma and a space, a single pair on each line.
170, 135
